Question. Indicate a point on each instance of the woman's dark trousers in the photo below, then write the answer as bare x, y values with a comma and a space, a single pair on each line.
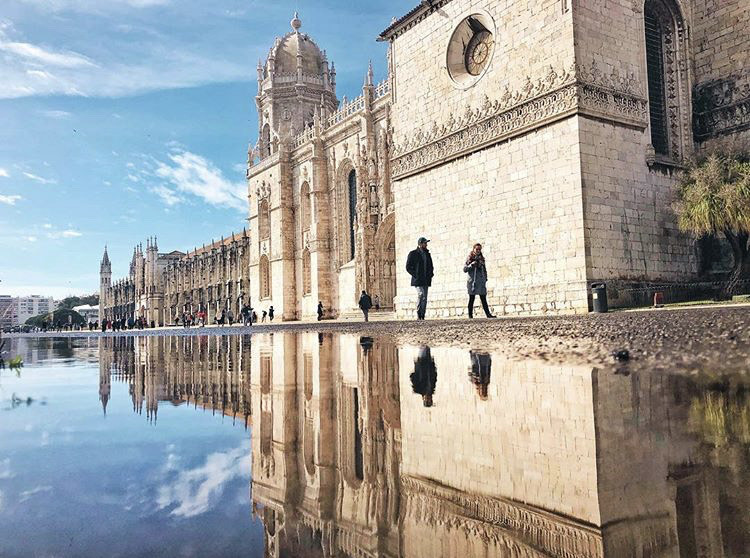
483, 298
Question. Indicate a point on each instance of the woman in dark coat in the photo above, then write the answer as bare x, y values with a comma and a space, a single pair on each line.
477, 282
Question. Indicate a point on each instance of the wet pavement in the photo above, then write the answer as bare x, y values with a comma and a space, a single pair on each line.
417, 442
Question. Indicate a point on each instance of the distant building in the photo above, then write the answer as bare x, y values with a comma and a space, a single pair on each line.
25, 307
162, 286
6, 312
88, 312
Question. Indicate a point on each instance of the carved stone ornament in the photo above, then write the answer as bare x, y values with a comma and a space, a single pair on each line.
263, 191
721, 107
560, 93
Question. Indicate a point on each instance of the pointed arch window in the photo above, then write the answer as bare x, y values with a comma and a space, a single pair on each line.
667, 82
352, 210
264, 220
265, 141
306, 272
305, 207
265, 277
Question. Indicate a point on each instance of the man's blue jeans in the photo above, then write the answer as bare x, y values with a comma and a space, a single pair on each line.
421, 302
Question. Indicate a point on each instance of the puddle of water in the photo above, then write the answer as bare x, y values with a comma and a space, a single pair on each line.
305, 444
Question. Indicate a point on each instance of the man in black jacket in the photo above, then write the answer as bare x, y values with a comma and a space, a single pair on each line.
419, 266
365, 303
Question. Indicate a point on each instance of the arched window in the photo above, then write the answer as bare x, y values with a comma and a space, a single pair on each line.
664, 39
265, 141
264, 220
265, 277
352, 210
305, 206
306, 272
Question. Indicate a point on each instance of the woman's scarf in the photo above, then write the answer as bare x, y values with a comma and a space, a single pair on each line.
479, 259
473, 257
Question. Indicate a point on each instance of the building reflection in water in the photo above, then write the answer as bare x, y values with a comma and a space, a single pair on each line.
208, 372
359, 450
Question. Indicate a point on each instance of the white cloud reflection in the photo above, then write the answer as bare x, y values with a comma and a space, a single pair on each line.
195, 491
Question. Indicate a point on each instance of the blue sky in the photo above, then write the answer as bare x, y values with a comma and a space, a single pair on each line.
124, 119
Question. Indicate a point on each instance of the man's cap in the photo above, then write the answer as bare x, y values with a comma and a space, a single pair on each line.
422, 239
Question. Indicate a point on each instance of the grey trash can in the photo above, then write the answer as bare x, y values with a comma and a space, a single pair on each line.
599, 297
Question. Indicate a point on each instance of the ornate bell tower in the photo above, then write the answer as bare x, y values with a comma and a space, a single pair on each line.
295, 82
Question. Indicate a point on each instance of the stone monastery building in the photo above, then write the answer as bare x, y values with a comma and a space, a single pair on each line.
551, 131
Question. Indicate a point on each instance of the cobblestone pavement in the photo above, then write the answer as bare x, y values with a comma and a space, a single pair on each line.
691, 339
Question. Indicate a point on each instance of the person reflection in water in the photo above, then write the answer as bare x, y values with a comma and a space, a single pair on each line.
479, 373
424, 377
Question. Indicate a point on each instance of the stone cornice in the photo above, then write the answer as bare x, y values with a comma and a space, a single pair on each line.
559, 94
412, 18
499, 520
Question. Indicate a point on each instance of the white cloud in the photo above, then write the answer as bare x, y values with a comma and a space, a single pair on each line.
194, 175
31, 239
93, 6
56, 114
4, 173
40, 56
69, 233
147, 62
194, 491
47, 226
27, 494
10, 200
39, 179
168, 196
5, 472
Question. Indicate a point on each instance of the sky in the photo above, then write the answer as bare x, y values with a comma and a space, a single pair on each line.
126, 119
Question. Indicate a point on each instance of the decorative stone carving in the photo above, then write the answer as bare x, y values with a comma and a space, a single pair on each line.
558, 94
721, 107
263, 191
499, 520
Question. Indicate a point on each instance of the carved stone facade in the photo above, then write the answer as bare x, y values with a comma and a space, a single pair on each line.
555, 137
515, 458
163, 287
141, 293
321, 207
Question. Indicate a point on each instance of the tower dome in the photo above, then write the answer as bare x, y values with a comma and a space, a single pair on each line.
287, 49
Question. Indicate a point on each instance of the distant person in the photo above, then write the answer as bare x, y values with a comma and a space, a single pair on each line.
424, 377
263, 318
254, 317
376, 302
365, 303
477, 283
419, 266
270, 313
320, 310
245, 314
230, 317
479, 372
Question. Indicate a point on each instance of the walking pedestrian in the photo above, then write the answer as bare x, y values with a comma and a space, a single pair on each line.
424, 377
253, 317
480, 371
230, 317
365, 303
270, 313
320, 310
376, 302
477, 283
263, 318
419, 266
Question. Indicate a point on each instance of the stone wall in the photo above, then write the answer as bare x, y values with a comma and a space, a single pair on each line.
521, 198
540, 421
522, 201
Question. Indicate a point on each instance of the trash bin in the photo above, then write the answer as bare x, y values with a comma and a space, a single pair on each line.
599, 297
